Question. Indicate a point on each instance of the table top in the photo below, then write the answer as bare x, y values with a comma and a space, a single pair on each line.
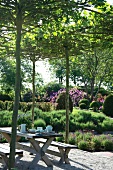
8, 130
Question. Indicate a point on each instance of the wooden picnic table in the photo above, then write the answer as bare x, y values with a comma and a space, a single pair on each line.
39, 150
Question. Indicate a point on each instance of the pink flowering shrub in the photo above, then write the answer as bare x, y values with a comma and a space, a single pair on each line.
75, 94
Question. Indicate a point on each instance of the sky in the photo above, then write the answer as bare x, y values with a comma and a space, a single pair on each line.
44, 69
110, 1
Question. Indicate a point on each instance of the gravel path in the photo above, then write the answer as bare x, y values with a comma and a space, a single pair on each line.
79, 160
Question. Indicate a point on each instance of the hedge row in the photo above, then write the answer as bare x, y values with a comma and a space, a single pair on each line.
23, 106
79, 120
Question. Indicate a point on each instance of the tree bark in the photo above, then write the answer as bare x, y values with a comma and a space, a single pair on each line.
17, 90
92, 87
33, 96
67, 96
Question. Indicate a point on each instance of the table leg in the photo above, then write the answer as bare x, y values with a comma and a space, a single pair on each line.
42, 150
8, 137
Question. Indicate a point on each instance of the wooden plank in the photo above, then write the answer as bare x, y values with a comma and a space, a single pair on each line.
63, 148
5, 150
66, 156
6, 131
26, 147
58, 144
62, 152
7, 136
5, 161
55, 153
47, 144
40, 151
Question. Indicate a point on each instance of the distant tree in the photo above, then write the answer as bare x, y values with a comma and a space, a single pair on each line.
7, 80
59, 69
93, 69
8, 72
53, 87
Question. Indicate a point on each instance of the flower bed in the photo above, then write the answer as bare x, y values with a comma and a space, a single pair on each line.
88, 141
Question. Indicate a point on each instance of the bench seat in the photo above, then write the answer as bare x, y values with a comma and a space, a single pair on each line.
57, 144
4, 153
54, 143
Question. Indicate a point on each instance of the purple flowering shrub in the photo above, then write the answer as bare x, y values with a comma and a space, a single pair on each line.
75, 94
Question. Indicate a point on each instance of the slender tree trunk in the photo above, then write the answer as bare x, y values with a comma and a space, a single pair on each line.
33, 96
86, 89
92, 88
67, 96
98, 88
74, 80
17, 90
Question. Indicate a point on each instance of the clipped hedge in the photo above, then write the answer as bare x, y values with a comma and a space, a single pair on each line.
61, 102
40, 123
4, 97
44, 106
95, 105
26, 106
85, 102
90, 142
87, 120
108, 106
79, 120
6, 118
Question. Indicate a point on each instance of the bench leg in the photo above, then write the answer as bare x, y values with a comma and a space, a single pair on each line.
64, 155
5, 160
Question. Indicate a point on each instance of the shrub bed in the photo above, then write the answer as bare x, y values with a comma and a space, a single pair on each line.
79, 120
88, 120
90, 142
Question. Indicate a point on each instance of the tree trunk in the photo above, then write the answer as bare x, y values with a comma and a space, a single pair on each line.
86, 89
67, 96
17, 90
92, 88
33, 96
99, 86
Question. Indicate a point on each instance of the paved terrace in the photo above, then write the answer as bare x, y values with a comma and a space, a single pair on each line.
80, 160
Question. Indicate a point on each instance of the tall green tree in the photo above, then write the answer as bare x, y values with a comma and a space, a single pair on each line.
7, 68
33, 53
16, 18
21, 16
59, 69
72, 32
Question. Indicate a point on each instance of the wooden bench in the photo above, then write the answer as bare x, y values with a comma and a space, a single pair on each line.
62, 152
4, 153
